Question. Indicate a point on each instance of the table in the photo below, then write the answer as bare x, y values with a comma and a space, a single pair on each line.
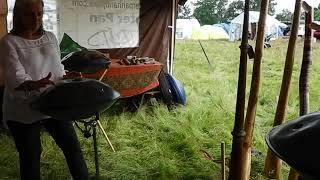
130, 80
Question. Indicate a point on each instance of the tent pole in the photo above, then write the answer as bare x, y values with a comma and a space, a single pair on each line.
272, 166
254, 92
238, 131
305, 71
173, 32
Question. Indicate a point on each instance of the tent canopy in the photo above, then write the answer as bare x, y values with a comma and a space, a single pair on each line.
156, 18
185, 27
209, 32
254, 18
154, 31
272, 25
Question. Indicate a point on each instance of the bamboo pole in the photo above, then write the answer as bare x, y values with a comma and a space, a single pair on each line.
254, 92
105, 135
238, 130
98, 122
273, 164
304, 73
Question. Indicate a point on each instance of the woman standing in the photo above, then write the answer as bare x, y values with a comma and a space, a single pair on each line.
31, 60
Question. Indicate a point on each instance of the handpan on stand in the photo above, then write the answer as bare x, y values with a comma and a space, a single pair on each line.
296, 143
78, 100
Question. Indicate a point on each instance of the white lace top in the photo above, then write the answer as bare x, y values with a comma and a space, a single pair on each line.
23, 60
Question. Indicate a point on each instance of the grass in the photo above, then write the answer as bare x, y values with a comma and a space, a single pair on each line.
154, 143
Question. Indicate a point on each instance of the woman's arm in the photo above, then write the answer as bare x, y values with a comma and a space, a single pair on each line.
14, 72
15, 75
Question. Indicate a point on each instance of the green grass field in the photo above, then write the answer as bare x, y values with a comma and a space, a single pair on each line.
154, 143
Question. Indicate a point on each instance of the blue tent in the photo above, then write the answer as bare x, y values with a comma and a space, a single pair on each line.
225, 26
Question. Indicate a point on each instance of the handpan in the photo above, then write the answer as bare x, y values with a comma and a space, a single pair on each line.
86, 61
296, 143
177, 90
75, 99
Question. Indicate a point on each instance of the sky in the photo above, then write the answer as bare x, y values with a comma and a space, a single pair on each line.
289, 4
281, 4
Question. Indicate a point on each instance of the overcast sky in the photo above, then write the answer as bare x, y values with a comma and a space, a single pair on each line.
289, 4
281, 4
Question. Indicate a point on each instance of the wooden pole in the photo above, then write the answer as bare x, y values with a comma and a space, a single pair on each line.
273, 164
254, 92
223, 161
105, 135
304, 73
3, 18
238, 130
306, 64
3, 32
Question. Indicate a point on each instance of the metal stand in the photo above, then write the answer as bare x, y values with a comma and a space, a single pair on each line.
91, 130
96, 159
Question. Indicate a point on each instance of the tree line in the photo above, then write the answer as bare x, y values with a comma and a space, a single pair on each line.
218, 11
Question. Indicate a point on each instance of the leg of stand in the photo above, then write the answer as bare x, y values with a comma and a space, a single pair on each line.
96, 160
104, 133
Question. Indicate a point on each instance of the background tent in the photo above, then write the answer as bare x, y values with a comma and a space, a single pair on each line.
272, 25
209, 32
225, 26
185, 27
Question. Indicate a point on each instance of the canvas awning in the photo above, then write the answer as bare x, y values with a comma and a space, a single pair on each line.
154, 31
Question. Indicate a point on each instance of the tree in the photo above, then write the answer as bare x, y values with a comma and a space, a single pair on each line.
255, 6
317, 13
184, 12
285, 15
236, 7
210, 11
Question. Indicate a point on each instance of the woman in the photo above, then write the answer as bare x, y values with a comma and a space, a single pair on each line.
31, 60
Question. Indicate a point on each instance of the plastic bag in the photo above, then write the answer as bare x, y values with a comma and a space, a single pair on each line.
68, 46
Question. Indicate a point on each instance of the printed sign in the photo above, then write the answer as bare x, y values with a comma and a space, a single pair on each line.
100, 24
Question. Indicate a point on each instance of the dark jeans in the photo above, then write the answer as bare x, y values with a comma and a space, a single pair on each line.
28, 144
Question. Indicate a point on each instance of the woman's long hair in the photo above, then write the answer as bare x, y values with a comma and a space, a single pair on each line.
18, 9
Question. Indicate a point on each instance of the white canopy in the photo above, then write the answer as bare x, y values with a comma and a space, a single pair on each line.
272, 25
185, 27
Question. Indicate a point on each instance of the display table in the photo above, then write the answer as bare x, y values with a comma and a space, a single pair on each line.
130, 80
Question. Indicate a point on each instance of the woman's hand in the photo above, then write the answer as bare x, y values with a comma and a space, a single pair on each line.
35, 85
72, 75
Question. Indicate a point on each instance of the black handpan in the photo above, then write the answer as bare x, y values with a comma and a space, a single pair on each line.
75, 99
86, 61
296, 143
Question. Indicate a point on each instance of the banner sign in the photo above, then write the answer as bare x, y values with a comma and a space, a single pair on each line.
100, 24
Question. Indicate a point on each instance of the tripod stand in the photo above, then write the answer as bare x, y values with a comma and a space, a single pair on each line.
90, 129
